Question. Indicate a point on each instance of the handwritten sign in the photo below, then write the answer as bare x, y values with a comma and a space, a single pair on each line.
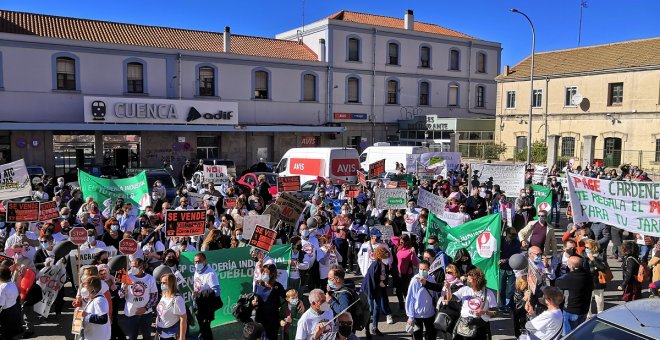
263, 238
14, 180
376, 168
290, 208
361, 178
386, 230
229, 203
391, 198
510, 177
48, 211
434, 203
22, 211
353, 191
51, 279
288, 183
540, 174
250, 222
633, 206
216, 174
185, 222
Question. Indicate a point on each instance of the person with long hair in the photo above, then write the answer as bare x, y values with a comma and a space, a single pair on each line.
463, 262
271, 295
375, 286
212, 240
632, 289
478, 304
172, 320
597, 265
407, 261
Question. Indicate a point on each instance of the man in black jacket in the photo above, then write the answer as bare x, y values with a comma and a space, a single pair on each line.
475, 205
579, 284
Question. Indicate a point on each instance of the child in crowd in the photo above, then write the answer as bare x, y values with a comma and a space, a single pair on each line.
290, 315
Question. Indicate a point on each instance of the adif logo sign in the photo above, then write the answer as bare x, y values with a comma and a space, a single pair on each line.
486, 245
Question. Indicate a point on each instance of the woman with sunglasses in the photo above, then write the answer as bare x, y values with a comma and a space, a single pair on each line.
452, 308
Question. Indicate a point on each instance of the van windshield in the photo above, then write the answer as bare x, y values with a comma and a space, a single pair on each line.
281, 167
363, 157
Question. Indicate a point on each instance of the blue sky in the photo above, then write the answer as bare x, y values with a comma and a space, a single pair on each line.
556, 21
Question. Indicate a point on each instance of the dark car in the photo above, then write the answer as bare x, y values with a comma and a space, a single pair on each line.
36, 173
165, 178
308, 188
250, 180
270, 165
639, 319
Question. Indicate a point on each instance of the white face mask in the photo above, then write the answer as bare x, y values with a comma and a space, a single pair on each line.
84, 292
134, 271
324, 307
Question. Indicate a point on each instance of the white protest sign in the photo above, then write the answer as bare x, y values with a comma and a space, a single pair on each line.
540, 175
453, 219
564, 184
387, 232
452, 160
87, 257
216, 174
51, 279
434, 203
250, 221
391, 198
510, 177
198, 199
633, 206
14, 180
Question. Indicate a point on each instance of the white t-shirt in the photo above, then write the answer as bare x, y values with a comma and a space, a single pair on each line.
205, 281
471, 302
412, 221
8, 294
547, 324
169, 310
87, 245
94, 331
308, 322
139, 292
157, 247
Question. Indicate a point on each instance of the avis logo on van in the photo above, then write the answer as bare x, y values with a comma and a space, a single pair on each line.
299, 166
345, 167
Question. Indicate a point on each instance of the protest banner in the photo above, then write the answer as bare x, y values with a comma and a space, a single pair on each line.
234, 268
362, 178
86, 258
434, 203
133, 190
290, 208
229, 202
48, 211
452, 219
14, 180
353, 191
392, 184
480, 237
22, 212
51, 279
510, 177
216, 174
288, 183
250, 221
452, 161
376, 168
542, 200
564, 184
185, 222
263, 238
391, 198
540, 174
632, 206
387, 232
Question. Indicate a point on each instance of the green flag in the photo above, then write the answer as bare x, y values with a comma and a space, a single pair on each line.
480, 237
542, 200
133, 189
234, 268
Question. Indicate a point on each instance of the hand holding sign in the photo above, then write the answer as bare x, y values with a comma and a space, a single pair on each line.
263, 238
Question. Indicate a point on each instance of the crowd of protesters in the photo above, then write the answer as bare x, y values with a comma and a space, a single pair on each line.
438, 295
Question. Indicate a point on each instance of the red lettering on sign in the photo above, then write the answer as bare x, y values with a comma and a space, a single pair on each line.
592, 184
654, 207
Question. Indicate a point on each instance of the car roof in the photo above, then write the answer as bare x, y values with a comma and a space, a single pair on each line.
640, 316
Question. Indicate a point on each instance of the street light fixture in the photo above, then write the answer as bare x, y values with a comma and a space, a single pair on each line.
531, 85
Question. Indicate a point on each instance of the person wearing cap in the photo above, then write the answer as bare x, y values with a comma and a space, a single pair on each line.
365, 254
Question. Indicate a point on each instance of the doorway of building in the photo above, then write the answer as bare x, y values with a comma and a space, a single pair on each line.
612, 152
72, 151
121, 151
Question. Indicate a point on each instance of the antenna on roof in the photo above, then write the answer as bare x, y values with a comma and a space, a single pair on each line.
583, 5
302, 31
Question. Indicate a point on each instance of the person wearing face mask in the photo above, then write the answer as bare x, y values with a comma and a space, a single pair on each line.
92, 242
261, 259
206, 292
579, 235
271, 294
171, 321
238, 235
76, 202
343, 329
375, 286
365, 253
107, 280
327, 256
524, 210
127, 219
476, 205
420, 304
505, 208
318, 313
157, 200
540, 234
510, 245
290, 315
597, 266
141, 296
45, 255
112, 235
96, 313
543, 265
579, 284
301, 262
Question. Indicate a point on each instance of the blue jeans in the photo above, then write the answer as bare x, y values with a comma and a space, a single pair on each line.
644, 253
571, 321
379, 304
138, 324
508, 280
556, 213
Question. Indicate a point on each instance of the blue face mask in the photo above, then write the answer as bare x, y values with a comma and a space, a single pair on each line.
265, 278
115, 227
163, 287
239, 237
44, 245
332, 285
2, 225
199, 267
538, 259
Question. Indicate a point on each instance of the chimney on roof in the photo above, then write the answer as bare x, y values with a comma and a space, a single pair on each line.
227, 40
409, 20
322, 50
507, 70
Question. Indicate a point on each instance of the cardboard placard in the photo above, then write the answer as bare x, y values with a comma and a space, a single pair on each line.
185, 222
288, 183
263, 238
251, 221
386, 230
76, 325
353, 191
434, 203
216, 174
290, 208
121, 276
361, 178
48, 211
196, 199
229, 203
22, 212
14, 180
376, 168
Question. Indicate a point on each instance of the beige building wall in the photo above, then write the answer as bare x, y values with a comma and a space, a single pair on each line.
636, 121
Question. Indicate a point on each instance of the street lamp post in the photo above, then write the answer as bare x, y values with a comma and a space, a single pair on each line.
531, 85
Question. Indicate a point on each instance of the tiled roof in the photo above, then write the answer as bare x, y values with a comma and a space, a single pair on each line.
628, 54
378, 20
150, 36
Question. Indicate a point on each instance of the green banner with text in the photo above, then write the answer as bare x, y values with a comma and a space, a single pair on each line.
133, 189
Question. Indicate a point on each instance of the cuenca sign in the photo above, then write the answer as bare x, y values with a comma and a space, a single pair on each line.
159, 111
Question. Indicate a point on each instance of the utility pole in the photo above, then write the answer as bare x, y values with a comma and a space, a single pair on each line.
583, 5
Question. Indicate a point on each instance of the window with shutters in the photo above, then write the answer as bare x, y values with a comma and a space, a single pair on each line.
353, 49
66, 73
392, 92
425, 57
453, 95
353, 89
424, 93
206, 81
309, 87
454, 60
481, 62
393, 54
261, 90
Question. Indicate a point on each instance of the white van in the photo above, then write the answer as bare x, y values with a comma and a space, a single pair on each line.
391, 154
310, 163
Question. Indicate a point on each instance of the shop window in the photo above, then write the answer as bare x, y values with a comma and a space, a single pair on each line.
72, 151
121, 151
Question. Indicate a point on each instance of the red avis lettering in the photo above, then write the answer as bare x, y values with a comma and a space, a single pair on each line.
592, 184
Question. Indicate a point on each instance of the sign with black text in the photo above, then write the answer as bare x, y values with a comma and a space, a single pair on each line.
184, 222
263, 238
288, 183
48, 211
14, 180
22, 212
376, 168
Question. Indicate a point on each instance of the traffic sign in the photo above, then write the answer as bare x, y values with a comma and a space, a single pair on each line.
78, 235
128, 246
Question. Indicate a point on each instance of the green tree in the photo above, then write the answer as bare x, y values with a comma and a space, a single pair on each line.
539, 153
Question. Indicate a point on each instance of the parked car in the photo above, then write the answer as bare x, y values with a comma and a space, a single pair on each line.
639, 319
36, 173
308, 188
231, 166
386, 177
271, 168
250, 180
94, 170
165, 178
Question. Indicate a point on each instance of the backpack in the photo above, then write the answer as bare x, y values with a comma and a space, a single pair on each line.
360, 306
242, 311
643, 273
